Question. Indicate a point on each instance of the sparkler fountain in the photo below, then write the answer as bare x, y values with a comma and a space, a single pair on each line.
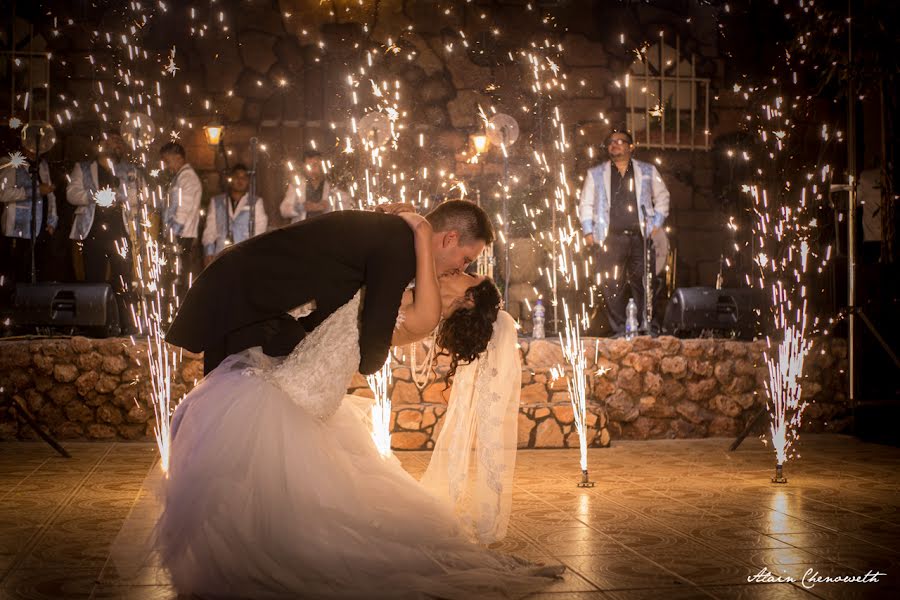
574, 353
380, 383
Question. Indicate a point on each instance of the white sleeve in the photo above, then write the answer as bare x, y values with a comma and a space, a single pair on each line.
292, 198
75, 192
210, 229
262, 218
190, 194
586, 206
659, 197
8, 190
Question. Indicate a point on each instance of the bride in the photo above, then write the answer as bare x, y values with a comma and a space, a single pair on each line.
276, 489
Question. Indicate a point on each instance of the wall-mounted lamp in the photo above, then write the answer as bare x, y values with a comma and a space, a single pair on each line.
480, 143
213, 133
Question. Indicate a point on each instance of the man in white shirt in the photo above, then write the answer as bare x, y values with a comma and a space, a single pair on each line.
622, 202
15, 218
228, 216
104, 194
310, 194
181, 214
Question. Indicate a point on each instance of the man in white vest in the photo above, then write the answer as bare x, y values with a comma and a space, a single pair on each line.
181, 214
622, 202
15, 218
104, 194
228, 216
310, 194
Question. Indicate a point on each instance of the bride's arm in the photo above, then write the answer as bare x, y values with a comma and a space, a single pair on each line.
422, 316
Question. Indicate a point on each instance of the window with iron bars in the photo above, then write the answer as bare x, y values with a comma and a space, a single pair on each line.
667, 105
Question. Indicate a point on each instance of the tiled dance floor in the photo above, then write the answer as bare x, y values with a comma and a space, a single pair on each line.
667, 519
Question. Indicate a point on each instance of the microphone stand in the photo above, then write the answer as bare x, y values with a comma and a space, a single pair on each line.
254, 143
648, 276
34, 171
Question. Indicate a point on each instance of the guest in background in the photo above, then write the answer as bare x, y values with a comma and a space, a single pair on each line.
104, 193
15, 219
622, 202
228, 216
181, 215
310, 194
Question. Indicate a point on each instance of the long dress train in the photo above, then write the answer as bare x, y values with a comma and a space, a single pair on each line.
276, 490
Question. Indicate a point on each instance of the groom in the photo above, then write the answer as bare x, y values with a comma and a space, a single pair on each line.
273, 289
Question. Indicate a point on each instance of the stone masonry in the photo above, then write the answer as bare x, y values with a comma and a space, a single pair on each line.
81, 388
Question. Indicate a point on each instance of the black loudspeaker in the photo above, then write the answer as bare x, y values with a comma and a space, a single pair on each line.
87, 308
708, 312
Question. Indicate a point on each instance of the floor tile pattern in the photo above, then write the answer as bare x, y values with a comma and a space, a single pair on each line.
677, 519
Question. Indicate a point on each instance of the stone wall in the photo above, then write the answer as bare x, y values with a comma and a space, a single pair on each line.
641, 389
276, 70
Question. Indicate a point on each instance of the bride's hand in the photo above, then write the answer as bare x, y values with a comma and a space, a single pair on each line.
417, 223
395, 208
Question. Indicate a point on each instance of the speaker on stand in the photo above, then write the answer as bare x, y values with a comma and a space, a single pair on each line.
65, 308
711, 312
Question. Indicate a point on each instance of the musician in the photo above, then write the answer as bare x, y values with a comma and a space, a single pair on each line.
622, 202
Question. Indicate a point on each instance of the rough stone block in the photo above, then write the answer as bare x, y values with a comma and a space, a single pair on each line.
629, 380
114, 364
43, 364
65, 373
650, 406
724, 372
62, 394
106, 384
81, 345
107, 413
548, 435
405, 393
86, 382
436, 393
111, 346
137, 414
409, 419
673, 390
77, 411
701, 390
100, 431
90, 361
676, 366
408, 440
621, 407
132, 431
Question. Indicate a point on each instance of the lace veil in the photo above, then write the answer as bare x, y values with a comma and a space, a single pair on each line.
475, 454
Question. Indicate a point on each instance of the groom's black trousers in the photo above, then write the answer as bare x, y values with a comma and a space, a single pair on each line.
276, 336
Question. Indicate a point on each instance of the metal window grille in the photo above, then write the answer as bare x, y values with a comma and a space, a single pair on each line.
667, 105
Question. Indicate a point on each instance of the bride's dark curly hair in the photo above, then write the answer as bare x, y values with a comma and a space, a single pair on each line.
465, 334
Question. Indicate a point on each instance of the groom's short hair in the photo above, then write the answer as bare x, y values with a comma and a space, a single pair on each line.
464, 217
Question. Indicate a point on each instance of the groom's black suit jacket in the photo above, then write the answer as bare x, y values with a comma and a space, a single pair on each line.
242, 299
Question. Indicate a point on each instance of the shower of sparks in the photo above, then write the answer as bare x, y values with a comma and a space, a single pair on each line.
380, 383
784, 389
787, 191
129, 87
16, 160
577, 384
170, 67
105, 197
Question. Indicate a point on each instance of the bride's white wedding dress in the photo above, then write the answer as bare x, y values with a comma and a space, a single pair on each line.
276, 488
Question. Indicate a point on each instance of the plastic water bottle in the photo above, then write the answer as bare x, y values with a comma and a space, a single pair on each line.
537, 320
631, 320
